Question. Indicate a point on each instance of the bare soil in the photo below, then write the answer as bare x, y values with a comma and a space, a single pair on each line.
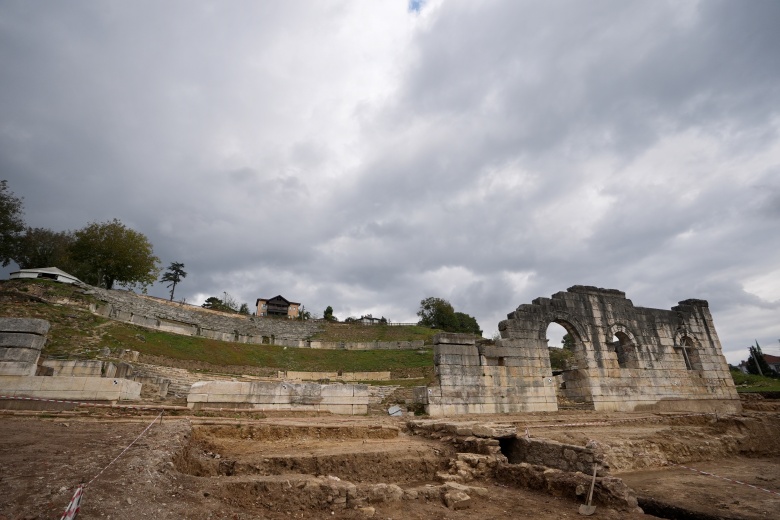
295, 466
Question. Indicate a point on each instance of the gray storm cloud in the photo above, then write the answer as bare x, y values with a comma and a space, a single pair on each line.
368, 155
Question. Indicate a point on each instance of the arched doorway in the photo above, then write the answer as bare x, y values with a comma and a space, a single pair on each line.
569, 364
560, 345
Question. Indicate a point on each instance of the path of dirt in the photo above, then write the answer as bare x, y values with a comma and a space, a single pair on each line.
43, 459
295, 466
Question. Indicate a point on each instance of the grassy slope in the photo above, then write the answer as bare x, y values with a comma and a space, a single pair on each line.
75, 332
224, 353
359, 333
747, 383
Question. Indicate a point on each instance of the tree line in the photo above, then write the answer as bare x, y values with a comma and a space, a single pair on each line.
103, 254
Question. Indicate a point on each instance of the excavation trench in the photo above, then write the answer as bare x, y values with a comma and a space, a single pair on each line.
357, 454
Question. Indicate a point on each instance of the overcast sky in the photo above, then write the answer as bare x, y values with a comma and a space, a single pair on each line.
366, 155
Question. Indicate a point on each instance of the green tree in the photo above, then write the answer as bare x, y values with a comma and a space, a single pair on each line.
756, 354
568, 342
228, 304
438, 313
114, 253
174, 274
328, 314
41, 247
467, 324
244, 309
303, 314
11, 223
214, 303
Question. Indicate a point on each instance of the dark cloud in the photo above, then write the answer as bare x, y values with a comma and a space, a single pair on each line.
366, 156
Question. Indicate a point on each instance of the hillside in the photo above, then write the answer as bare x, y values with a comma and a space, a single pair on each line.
77, 333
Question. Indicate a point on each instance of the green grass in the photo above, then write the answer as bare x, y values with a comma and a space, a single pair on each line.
77, 333
220, 353
353, 332
747, 383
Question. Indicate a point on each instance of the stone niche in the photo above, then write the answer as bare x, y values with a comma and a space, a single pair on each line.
627, 358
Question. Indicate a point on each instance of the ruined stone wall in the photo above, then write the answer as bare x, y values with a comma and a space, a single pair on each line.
193, 321
663, 360
485, 379
259, 395
70, 388
21, 341
668, 360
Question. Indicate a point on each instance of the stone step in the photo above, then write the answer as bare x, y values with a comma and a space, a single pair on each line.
181, 380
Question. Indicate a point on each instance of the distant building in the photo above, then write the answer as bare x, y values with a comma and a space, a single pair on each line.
772, 361
278, 306
370, 320
47, 273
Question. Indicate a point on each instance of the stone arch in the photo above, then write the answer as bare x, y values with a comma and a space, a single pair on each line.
575, 328
625, 348
569, 322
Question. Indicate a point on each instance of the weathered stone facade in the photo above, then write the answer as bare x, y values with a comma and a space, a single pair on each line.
261, 395
195, 321
627, 358
21, 341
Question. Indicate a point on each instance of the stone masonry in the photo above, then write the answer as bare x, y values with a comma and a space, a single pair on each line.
21, 341
486, 379
190, 320
627, 358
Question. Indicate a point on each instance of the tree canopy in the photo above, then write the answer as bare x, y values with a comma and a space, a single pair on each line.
328, 314
11, 223
41, 247
114, 253
174, 274
438, 313
228, 304
755, 354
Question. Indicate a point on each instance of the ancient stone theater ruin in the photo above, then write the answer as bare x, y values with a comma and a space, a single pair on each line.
627, 358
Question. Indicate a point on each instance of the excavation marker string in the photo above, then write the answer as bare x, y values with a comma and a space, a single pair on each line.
726, 479
74, 506
159, 416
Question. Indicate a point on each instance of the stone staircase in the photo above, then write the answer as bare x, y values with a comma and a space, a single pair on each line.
180, 378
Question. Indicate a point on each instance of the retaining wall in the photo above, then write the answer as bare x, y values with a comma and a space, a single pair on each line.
335, 376
335, 398
21, 341
189, 320
70, 388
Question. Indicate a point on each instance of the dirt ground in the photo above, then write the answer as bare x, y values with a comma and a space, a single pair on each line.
293, 467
